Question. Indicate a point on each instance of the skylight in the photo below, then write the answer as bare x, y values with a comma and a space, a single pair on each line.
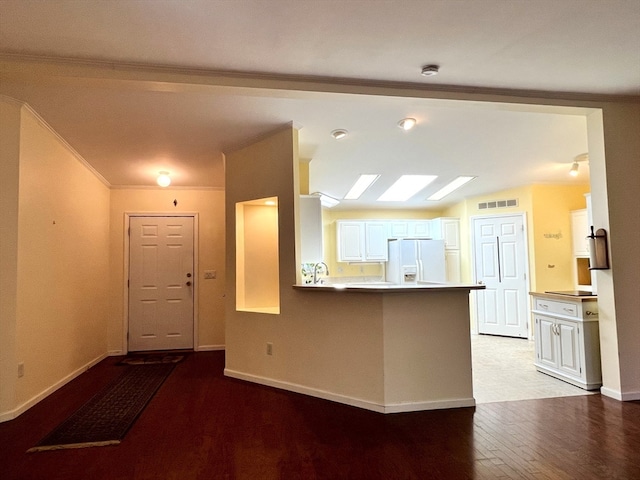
406, 187
364, 182
450, 187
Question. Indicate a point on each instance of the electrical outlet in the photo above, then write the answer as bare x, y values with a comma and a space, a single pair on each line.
269, 348
209, 274
20, 370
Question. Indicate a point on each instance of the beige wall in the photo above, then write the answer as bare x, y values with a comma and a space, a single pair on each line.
10, 161
209, 204
321, 343
614, 198
61, 314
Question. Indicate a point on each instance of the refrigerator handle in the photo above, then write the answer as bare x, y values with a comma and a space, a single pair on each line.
418, 254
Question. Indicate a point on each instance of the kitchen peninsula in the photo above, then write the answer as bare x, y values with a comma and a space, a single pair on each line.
382, 348
424, 331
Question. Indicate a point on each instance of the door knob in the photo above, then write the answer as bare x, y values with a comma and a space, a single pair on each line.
188, 284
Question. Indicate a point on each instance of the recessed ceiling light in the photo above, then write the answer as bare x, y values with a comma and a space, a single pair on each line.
364, 182
450, 187
430, 70
407, 123
406, 187
339, 133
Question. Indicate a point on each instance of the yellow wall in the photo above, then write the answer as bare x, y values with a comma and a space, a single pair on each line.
209, 204
547, 209
551, 207
63, 257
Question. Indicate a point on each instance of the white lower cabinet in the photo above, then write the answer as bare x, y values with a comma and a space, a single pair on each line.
567, 344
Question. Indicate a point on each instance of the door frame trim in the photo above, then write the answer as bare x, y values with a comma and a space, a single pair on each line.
127, 239
472, 236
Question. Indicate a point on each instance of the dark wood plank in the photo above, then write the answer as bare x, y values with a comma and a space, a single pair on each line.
201, 425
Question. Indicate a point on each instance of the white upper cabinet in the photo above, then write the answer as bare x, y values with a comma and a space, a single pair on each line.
362, 241
579, 232
350, 241
419, 229
409, 229
375, 239
447, 229
398, 229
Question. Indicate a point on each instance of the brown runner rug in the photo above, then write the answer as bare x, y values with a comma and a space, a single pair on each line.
108, 415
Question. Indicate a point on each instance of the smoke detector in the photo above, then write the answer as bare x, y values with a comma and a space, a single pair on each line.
430, 70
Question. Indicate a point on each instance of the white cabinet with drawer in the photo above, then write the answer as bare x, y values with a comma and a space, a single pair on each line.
567, 344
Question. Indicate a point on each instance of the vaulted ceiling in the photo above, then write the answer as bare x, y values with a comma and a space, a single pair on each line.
136, 87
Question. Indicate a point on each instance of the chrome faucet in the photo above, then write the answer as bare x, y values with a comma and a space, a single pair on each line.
316, 271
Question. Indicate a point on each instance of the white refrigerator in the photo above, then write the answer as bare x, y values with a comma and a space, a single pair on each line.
416, 260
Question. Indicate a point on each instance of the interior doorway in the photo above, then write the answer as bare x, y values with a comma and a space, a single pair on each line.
161, 283
500, 263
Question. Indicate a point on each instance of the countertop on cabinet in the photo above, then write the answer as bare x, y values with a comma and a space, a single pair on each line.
565, 296
374, 287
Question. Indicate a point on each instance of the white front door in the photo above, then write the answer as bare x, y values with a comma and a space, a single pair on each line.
501, 264
161, 283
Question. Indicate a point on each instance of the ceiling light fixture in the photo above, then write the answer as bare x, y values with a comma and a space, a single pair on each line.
430, 70
450, 187
164, 180
406, 187
339, 134
363, 182
326, 200
407, 123
574, 169
575, 166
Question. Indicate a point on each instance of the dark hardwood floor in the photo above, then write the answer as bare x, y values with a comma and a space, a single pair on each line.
201, 425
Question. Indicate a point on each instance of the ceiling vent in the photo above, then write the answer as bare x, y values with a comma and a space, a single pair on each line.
498, 204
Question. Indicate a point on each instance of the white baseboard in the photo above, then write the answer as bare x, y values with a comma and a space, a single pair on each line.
354, 402
435, 405
11, 414
617, 395
209, 348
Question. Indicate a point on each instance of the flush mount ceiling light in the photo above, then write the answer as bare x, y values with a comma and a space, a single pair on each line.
407, 123
575, 166
430, 70
164, 180
339, 134
363, 182
450, 187
406, 187
326, 200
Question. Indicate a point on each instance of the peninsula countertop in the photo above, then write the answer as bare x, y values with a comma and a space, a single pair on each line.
383, 287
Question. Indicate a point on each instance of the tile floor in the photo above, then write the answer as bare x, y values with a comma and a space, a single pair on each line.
503, 370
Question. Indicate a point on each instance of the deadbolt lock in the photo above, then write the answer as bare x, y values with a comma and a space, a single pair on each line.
188, 275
